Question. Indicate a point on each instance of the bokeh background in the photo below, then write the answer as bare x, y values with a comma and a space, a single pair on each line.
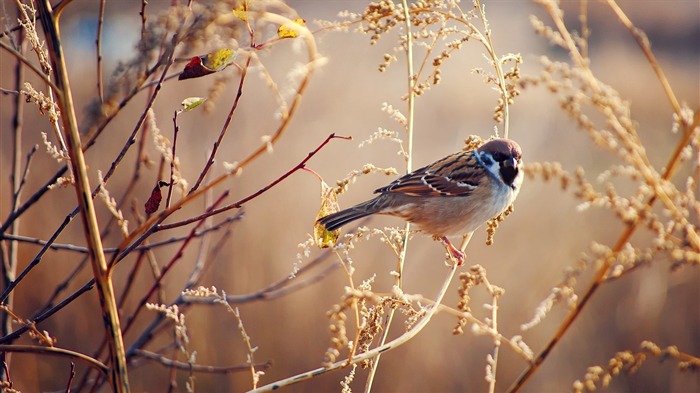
543, 237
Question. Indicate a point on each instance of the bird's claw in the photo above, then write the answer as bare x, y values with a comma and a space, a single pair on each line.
453, 252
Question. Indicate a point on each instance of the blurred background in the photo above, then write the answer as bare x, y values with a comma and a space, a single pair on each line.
533, 247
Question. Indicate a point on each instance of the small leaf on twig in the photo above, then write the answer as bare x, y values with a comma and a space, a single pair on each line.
153, 202
241, 12
329, 204
190, 103
208, 64
290, 30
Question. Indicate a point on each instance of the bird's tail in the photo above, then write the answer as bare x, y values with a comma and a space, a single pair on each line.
337, 220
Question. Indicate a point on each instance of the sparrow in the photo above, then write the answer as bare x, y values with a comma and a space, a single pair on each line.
454, 195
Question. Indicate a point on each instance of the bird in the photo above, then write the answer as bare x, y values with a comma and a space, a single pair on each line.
454, 195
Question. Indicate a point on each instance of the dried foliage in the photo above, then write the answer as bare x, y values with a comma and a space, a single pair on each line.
252, 62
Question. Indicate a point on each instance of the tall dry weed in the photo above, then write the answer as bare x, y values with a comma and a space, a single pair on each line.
166, 188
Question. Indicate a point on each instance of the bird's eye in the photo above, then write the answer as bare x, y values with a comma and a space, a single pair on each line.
499, 156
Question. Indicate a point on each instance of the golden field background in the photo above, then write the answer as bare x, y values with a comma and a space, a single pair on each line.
534, 246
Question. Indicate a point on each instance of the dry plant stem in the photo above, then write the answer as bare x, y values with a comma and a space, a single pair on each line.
71, 378
144, 230
98, 51
142, 13
69, 218
176, 130
118, 372
643, 43
356, 310
601, 273
8, 250
224, 128
157, 284
485, 327
53, 351
409, 163
277, 289
246, 340
48, 313
29, 64
41, 337
485, 38
112, 250
402, 339
93, 133
16, 213
139, 123
495, 294
465, 241
120, 253
30, 27
168, 266
238, 204
11, 286
199, 368
585, 31
280, 288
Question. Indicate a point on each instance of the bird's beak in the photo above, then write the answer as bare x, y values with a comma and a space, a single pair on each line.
511, 162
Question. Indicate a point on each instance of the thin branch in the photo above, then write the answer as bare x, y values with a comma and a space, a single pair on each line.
199, 368
29, 64
644, 45
402, 339
112, 250
238, 204
98, 53
409, 163
178, 255
224, 128
602, 272
53, 351
118, 376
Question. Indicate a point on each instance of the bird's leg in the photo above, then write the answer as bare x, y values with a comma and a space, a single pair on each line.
452, 251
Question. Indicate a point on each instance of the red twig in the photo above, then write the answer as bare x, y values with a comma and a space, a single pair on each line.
240, 203
170, 264
215, 148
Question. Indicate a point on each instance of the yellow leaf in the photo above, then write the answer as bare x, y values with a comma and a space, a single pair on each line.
291, 30
220, 59
241, 12
329, 204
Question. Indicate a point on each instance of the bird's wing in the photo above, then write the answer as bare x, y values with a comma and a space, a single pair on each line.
454, 175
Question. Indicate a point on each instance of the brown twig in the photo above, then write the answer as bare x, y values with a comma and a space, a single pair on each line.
98, 52
118, 373
9, 250
238, 204
402, 339
71, 377
168, 266
199, 368
53, 351
112, 250
602, 272
224, 128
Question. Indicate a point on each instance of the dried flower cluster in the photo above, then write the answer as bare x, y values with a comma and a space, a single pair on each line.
630, 362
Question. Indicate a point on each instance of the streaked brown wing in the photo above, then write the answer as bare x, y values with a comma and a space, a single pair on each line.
454, 175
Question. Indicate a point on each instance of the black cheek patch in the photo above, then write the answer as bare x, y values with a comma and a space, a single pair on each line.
508, 174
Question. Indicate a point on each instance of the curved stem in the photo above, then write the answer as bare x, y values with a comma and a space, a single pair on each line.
409, 164
95, 364
402, 339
